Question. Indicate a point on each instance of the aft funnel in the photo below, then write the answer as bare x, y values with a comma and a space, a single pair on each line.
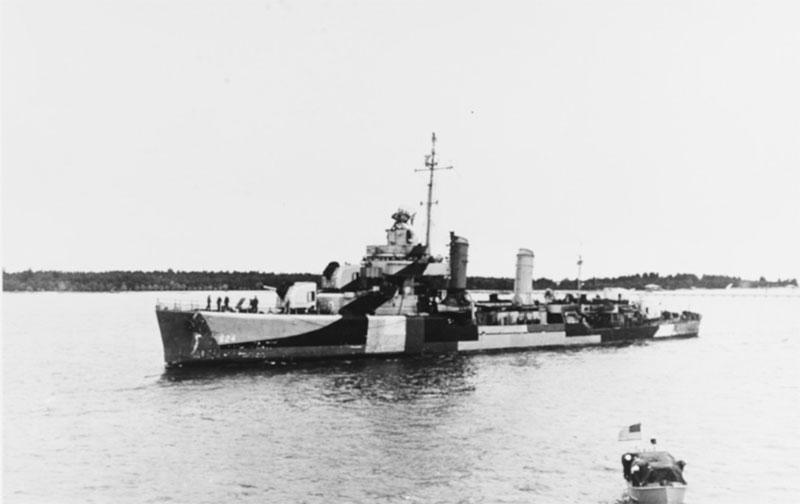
459, 252
523, 282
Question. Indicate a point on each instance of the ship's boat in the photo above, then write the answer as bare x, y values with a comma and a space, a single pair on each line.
402, 300
654, 477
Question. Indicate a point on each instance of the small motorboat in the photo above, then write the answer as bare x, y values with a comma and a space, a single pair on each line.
654, 477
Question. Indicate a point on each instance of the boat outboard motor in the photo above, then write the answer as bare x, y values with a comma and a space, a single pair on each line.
523, 282
457, 286
627, 461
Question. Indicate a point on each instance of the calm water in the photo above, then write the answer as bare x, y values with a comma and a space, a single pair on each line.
90, 415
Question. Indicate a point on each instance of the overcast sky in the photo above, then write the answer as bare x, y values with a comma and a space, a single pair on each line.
277, 136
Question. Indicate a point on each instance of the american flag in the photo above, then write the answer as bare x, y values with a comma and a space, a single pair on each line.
632, 432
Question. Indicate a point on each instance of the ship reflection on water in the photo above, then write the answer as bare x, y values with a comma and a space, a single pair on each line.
406, 380
373, 380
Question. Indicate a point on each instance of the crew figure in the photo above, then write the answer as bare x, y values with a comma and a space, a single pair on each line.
227, 304
219, 304
208, 303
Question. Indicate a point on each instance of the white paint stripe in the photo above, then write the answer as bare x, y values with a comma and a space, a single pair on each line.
232, 328
677, 329
509, 329
520, 329
491, 341
386, 334
665, 331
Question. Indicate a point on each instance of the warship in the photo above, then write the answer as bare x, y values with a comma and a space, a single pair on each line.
401, 300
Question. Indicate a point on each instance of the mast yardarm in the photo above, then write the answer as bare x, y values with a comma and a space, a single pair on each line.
431, 164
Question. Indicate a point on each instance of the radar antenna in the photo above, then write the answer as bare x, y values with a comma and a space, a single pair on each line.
431, 164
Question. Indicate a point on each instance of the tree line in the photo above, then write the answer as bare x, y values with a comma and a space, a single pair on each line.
170, 280
122, 281
639, 281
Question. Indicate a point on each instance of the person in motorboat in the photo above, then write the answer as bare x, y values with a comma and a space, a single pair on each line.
652, 468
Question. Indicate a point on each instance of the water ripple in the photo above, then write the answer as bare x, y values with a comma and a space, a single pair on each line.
106, 422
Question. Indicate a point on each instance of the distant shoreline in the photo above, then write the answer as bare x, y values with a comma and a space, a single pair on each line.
170, 280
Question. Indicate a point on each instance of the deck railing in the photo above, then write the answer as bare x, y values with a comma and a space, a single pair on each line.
180, 304
199, 305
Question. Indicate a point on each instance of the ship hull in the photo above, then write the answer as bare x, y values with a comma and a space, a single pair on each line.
655, 494
202, 337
